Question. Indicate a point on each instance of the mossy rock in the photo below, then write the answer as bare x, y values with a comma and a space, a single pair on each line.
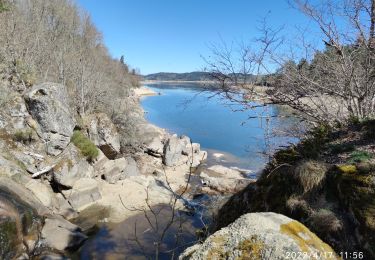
18, 222
10, 243
357, 193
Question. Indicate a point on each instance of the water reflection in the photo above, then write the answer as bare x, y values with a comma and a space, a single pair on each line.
161, 231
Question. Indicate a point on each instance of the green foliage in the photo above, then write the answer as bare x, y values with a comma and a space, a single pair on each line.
24, 136
85, 145
341, 148
312, 147
360, 156
368, 127
3, 6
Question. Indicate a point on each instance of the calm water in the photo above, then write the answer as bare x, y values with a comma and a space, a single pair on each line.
219, 130
208, 121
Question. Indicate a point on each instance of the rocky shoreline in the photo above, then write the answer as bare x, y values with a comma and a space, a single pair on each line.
62, 175
48, 170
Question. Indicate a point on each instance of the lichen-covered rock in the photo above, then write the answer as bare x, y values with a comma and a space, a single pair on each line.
104, 134
172, 151
262, 236
48, 103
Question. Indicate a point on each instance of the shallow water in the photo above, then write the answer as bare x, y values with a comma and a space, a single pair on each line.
182, 109
228, 141
135, 237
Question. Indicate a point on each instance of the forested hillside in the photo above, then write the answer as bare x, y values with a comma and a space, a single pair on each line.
56, 41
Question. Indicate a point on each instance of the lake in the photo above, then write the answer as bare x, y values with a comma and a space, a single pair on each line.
183, 109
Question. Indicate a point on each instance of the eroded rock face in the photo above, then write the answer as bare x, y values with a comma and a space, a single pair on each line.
262, 236
48, 104
104, 134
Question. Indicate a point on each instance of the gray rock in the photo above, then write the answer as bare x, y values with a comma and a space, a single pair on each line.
43, 192
155, 147
261, 236
222, 184
84, 192
185, 141
7, 184
69, 174
60, 234
114, 170
104, 134
48, 104
64, 208
131, 168
172, 151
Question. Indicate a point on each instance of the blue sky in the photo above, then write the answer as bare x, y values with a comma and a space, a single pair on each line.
171, 35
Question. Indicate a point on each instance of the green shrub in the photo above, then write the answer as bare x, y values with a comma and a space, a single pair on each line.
23, 136
85, 145
359, 156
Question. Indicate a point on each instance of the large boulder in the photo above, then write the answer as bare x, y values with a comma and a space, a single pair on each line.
172, 151
155, 147
114, 170
68, 173
119, 169
48, 104
104, 134
262, 236
84, 193
43, 192
60, 234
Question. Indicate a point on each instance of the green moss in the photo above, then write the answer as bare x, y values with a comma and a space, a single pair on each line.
8, 238
85, 145
360, 156
357, 193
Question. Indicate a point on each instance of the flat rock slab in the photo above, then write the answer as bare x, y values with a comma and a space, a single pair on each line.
84, 192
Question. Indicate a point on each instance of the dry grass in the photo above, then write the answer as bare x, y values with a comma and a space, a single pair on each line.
296, 204
325, 221
310, 174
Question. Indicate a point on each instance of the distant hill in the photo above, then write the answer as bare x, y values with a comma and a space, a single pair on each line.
188, 76
170, 76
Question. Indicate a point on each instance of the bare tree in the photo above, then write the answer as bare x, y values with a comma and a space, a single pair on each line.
328, 83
